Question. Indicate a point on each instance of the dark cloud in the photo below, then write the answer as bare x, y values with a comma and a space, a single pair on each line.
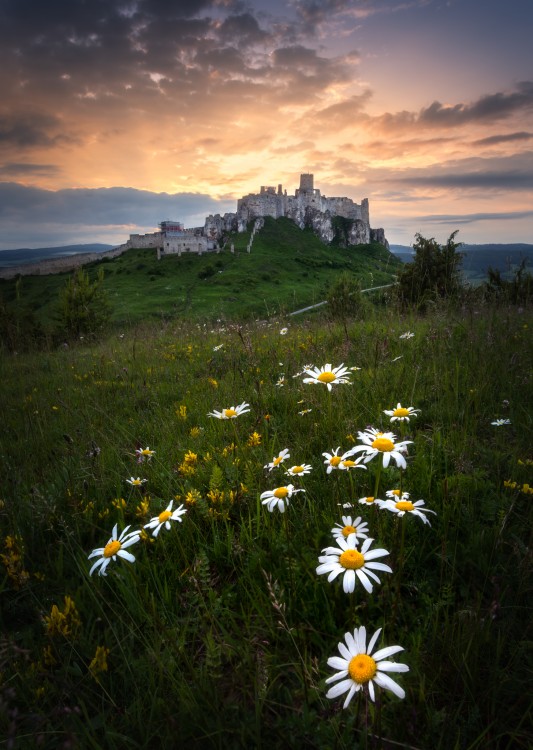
487, 108
475, 217
243, 30
342, 115
494, 140
16, 169
31, 130
100, 206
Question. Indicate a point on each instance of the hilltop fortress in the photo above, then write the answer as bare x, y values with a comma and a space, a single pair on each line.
308, 208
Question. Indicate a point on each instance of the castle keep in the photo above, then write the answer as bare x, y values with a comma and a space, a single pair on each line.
308, 208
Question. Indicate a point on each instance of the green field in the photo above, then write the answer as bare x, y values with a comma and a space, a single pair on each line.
218, 635
287, 269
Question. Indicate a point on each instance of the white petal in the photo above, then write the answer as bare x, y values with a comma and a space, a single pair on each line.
378, 566
348, 582
126, 555
355, 687
97, 564
364, 580
335, 662
360, 639
339, 688
373, 641
371, 691
385, 682
392, 666
345, 652
388, 651
373, 553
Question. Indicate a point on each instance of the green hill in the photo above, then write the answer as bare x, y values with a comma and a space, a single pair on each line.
286, 269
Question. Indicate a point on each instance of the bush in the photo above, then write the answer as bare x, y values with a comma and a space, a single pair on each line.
433, 274
83, 305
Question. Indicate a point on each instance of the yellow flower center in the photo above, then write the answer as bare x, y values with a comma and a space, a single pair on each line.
230, 413
281, 492
405, 505
347, 530
362, 668
400, 412
327, 377
164, 516
383, 444
112, 548
370, 500
396, 492
335, 460
348, 463
297, 469
277, 460
352, 559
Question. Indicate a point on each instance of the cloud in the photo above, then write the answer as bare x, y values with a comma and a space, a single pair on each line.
14, 169
494, 140
120, 207
512, 216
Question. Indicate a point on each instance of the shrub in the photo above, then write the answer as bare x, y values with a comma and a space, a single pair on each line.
83, 305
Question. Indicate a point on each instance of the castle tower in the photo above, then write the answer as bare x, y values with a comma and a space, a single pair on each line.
306, 182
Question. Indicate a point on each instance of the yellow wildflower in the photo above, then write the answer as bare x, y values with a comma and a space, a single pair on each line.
254, 439
99, 662
13, 560
192, 497
181, 412
66, 622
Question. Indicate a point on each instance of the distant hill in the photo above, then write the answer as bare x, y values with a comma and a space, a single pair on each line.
479, 258
24, 255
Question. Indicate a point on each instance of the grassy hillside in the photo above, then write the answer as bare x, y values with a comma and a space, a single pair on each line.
286, 269
218, 635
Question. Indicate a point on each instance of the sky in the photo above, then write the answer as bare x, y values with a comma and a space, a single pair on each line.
118, 114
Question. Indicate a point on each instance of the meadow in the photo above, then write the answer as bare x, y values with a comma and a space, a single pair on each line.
218, 634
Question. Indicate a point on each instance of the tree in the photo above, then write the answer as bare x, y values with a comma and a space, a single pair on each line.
433, 274
345, 299
83, 304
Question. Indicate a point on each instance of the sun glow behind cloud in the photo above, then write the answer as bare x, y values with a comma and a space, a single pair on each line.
212, 99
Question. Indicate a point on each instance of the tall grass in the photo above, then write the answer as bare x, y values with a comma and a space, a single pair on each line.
218, 635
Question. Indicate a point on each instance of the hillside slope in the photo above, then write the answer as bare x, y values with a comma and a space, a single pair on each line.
286, 269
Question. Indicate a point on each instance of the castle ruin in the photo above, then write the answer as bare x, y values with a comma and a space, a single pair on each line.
308, 208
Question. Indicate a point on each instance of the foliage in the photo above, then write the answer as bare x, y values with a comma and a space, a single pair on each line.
83, 305
345, 300
218, 635
517, 291
432, 275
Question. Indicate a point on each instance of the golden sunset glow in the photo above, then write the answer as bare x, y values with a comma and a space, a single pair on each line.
116, 117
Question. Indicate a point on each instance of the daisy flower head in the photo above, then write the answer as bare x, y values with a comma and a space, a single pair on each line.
231, 413
143, 453
401, 413
370, 501
407, 335
278, 460
397, 495
352, 563
327, 375
164, 518
357, 667
501, 422
381, 444
344, 462
278, 498
298, 471
116, 547
283, 331
136, 482
350, 526
401, 507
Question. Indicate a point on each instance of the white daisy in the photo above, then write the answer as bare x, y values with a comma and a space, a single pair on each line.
283, 331
501, 422
356, 667
381, 443
164, 518
278, 497
278, 460
231, 413
401, 413
281, 381
350, 526
143, 453
407, 335
397, 495
298, 471
334, 461
304, 411
352, 563
401, 507
327, 375
217, 348
136, 482
370, 501
116, 547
